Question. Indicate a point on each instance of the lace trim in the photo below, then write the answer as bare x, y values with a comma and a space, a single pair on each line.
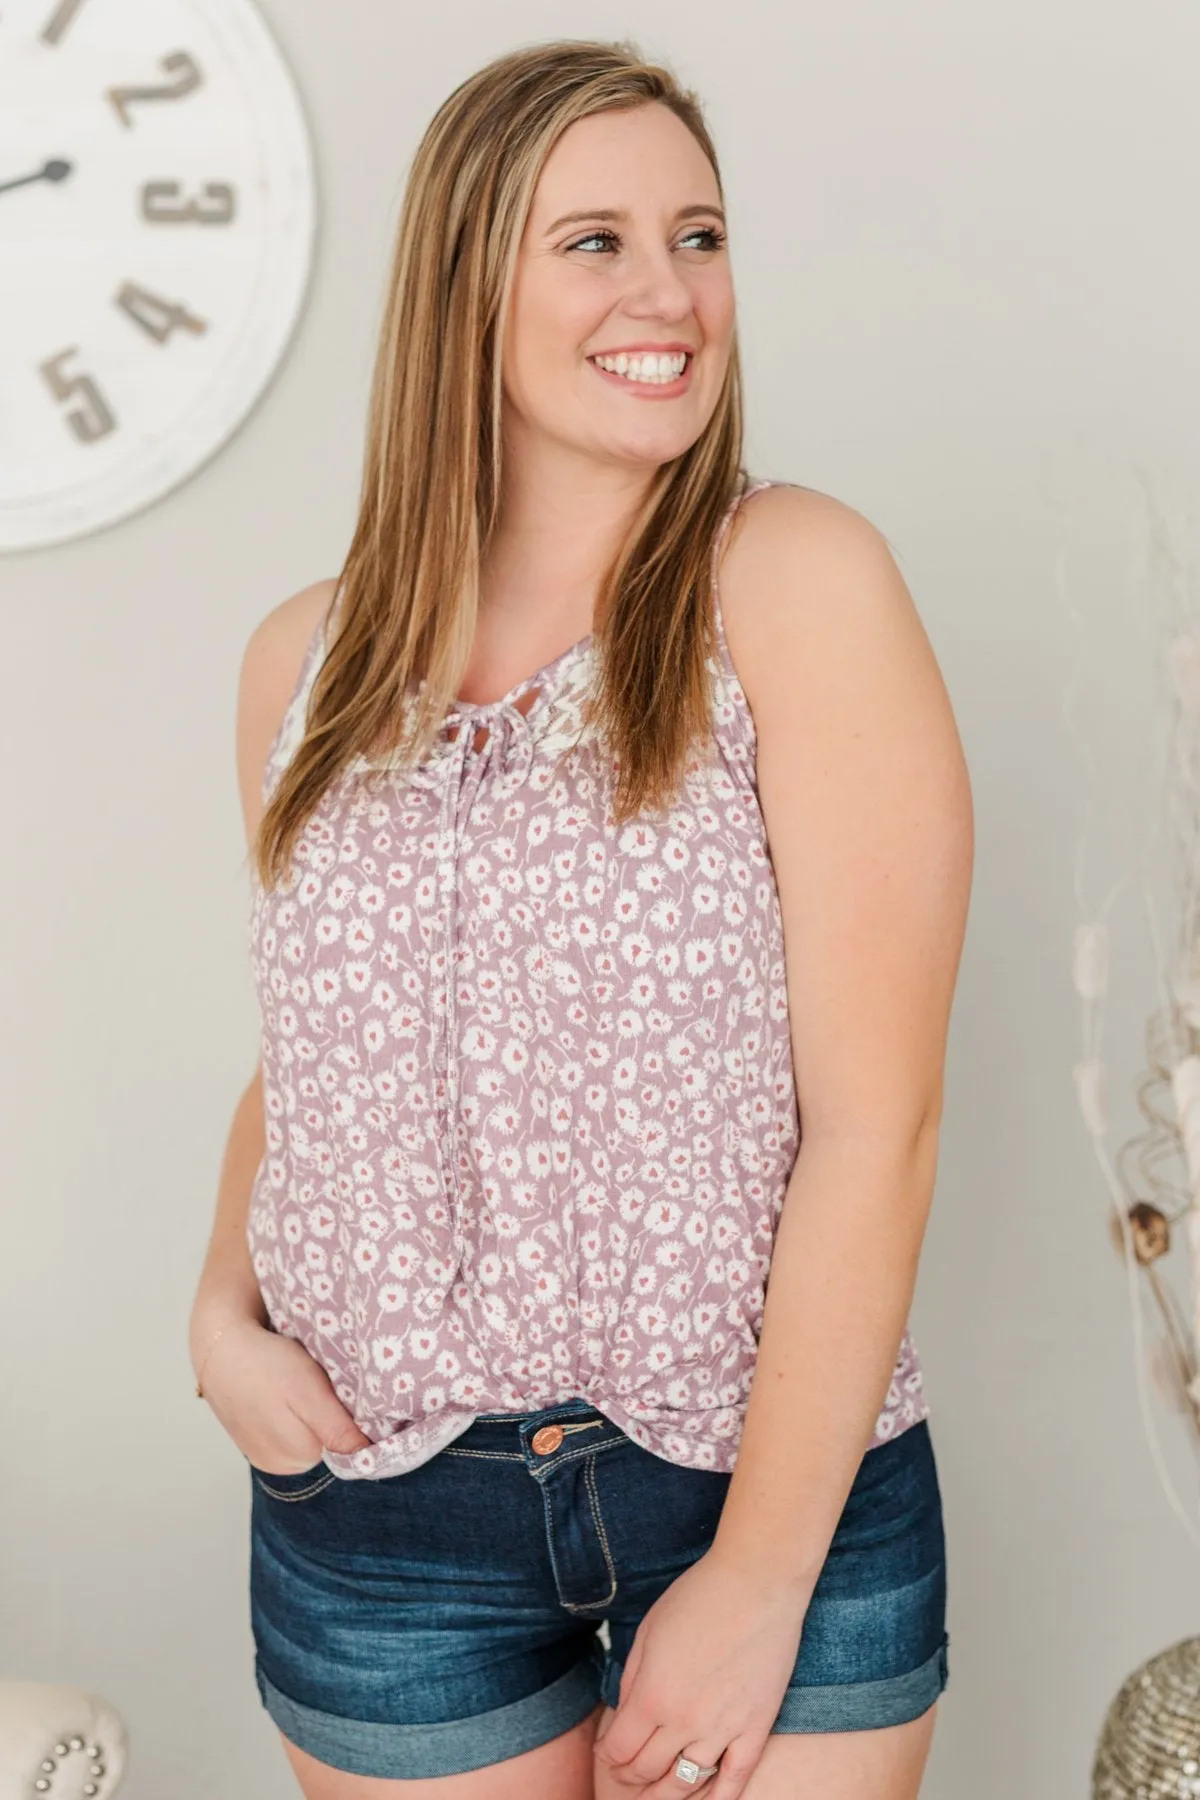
556, 722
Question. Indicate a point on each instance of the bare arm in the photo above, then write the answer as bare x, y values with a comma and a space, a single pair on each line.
271, 1396
228, 1289
868, 811
864, 794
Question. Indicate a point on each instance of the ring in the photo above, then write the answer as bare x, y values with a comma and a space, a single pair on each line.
687, 1770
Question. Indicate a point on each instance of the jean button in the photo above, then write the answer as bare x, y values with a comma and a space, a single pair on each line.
547, 1439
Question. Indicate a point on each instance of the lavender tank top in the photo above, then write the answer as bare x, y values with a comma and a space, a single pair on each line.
529, 1099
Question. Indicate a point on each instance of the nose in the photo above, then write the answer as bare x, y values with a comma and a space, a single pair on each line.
656, 290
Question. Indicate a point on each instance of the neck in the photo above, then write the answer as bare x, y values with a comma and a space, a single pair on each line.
561, 520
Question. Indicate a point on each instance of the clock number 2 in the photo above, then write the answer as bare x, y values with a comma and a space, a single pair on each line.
187, 78
93, 418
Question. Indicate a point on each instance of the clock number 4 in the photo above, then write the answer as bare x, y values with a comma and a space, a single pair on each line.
187, 75
156, 316
92, 418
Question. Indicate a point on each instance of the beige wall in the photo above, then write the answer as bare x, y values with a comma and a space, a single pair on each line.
969, 291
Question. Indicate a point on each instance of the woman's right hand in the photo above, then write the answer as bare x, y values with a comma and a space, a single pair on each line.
275, 1400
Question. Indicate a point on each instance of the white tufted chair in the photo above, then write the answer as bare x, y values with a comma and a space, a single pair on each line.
58, 1741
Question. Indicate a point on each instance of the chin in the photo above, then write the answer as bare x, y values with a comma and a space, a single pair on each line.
653, 452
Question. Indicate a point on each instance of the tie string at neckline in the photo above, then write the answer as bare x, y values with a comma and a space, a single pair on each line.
463, 771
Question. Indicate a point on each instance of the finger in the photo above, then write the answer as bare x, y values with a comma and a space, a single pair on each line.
633, 1663
627, 1733
705, 1753
738, 1762
656, 1761
325, 1416
628, 1677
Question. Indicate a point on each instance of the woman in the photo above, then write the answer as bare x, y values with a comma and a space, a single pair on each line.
486, 1304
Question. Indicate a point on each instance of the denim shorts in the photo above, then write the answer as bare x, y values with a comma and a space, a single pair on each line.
447, 1618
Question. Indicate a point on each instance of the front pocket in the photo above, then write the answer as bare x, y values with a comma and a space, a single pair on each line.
305, 1485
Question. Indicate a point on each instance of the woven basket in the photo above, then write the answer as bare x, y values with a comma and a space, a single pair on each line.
1149, 1746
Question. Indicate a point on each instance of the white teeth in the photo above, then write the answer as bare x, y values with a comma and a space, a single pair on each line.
651, 366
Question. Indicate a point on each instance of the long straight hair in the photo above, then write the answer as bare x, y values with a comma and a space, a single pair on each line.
407, 597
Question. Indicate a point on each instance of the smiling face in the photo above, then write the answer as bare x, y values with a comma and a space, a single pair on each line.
622, 312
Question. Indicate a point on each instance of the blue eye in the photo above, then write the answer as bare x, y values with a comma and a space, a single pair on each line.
713, 238
594, 237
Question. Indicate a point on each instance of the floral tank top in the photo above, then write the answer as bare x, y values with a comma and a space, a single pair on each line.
529, 1099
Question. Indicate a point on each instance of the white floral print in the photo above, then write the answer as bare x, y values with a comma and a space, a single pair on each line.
529, 1098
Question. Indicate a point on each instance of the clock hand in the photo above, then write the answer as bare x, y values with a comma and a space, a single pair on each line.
55, 170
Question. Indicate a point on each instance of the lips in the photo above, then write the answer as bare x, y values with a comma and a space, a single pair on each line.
658, 371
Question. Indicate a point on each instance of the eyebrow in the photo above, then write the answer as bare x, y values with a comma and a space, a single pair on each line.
608, 213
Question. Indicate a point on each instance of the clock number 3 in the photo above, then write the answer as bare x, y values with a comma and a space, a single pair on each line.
187, 75
162, 204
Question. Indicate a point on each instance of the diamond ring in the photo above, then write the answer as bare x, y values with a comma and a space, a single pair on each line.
690, 1771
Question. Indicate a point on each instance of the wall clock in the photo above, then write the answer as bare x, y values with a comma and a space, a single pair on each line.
157, 218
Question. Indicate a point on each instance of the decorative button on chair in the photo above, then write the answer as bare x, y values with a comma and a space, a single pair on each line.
58, 1741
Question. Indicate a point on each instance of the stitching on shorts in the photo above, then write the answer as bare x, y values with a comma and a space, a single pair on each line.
316, 1487
568, 1605
594, 1492
555, 1461
491, 1455
581, 1606
548, 1509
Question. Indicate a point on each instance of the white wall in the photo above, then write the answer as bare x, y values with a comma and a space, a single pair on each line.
970, 284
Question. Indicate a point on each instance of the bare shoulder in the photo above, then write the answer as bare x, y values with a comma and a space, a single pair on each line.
270, 669
854, 725
797, 558
817, 611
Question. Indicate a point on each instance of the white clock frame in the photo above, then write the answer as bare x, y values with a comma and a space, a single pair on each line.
175, 213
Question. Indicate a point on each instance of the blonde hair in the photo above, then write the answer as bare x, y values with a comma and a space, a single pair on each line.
407, 596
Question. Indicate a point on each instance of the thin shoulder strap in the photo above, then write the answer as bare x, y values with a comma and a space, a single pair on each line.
314, 656
293, 724
738, 501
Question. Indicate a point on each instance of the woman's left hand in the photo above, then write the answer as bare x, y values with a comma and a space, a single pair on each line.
704, 1678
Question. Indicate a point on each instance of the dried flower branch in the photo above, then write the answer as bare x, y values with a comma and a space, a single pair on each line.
1153, 1175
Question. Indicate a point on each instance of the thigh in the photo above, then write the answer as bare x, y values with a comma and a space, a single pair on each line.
884, 1764
562, 1768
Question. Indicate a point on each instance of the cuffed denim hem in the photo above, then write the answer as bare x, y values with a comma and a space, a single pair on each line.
443, 1747
865, 1705
851, 1706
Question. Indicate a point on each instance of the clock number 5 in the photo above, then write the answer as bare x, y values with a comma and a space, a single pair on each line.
188, 78
93, 418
